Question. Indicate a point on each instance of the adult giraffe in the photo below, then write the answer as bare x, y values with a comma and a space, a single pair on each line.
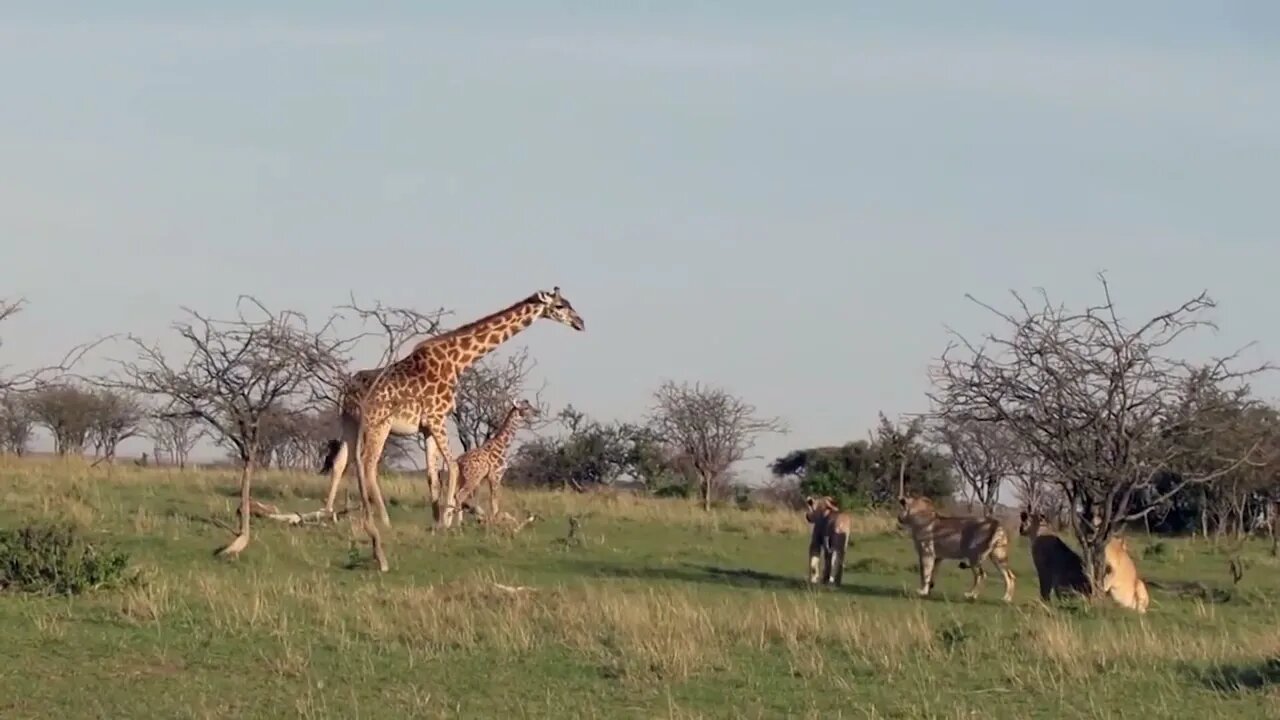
416, 393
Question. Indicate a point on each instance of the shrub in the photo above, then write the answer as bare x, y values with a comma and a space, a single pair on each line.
55, 559
675, 490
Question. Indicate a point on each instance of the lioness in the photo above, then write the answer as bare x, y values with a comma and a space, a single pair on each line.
829, 540
1120, 578
970, 540
1059, 568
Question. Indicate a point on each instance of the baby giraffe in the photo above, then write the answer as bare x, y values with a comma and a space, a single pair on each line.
489, 461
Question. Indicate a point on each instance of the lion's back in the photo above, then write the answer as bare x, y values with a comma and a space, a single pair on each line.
1055, 559
961, 537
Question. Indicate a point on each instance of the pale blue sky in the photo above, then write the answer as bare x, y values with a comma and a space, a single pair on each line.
790, 203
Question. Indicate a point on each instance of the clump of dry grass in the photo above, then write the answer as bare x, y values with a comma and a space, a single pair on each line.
70, 487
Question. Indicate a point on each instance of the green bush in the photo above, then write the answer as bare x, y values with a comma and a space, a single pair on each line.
675, 490
55, 559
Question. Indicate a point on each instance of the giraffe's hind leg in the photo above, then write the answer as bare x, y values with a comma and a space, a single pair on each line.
346, 440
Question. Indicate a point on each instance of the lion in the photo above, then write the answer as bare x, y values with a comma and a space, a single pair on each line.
829, 540
968, 539
1060, 569
1120, 578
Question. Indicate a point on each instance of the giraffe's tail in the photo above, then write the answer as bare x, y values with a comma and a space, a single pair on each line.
330, 454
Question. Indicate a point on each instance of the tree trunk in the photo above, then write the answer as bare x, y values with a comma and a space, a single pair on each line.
706, 493
241, 540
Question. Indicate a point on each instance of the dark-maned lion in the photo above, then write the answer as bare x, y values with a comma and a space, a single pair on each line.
829, 540
1060, 569
1120, 579
968, 539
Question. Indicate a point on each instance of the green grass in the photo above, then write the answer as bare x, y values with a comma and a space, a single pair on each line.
659, 611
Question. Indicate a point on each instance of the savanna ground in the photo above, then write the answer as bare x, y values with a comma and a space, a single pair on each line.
659, 611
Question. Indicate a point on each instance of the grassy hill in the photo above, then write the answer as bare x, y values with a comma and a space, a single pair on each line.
659, 610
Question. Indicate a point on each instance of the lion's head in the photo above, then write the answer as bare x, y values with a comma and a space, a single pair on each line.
915, 510
817, 506
1030, 523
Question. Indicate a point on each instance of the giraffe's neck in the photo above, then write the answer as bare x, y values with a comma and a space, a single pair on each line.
477, 339
507, 430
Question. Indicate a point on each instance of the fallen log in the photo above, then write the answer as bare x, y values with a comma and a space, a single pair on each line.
268, 511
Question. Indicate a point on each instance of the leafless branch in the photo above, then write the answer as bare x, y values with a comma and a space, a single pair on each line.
29, 379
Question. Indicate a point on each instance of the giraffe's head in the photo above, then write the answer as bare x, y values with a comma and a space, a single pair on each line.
525, 409
557, 307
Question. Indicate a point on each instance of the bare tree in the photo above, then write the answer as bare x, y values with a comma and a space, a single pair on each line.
486, 390
236, 372
16, 423
985, 455
115, 416
175, 434
1097, 400
711, 427
66, 411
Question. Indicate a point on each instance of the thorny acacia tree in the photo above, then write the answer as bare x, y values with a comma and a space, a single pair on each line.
115, 417
1096, 399
592, 454
174, 434
984, 455
710, 427
66, 410
1244, 426
234, 373
16, 423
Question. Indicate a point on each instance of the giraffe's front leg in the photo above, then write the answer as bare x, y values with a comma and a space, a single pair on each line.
468, 482
445, 501
495, 479
433, 472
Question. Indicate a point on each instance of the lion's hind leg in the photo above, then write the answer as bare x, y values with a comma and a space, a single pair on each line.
975, 564
999, 555
1047, 585
839, 546
815, 561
